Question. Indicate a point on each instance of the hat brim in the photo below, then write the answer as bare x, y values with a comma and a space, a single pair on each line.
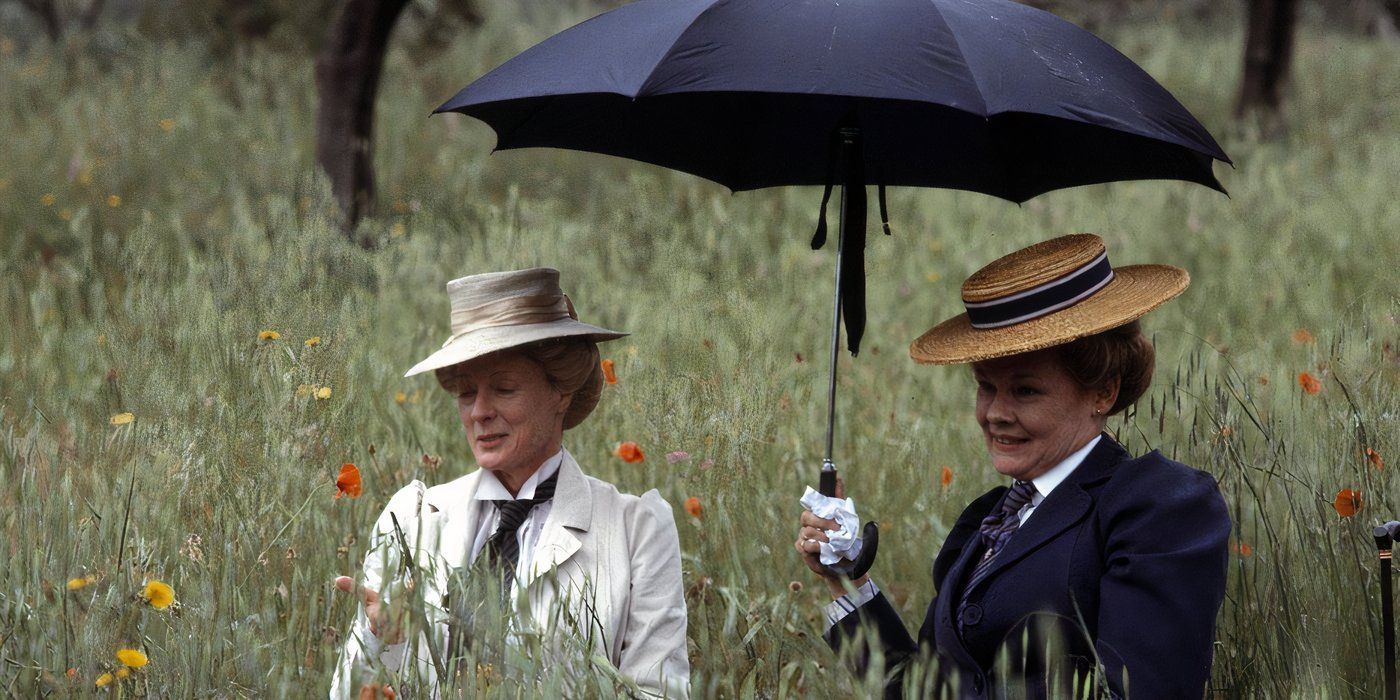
485, 341
1134, 291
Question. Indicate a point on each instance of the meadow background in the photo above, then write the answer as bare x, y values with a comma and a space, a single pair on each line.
159, 210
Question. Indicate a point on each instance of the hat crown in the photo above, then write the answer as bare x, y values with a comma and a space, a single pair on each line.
487, 287
1032, 267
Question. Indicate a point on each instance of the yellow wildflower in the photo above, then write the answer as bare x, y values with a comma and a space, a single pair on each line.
122, 419
159, 595
132, 657
48, 199
77, 583
114, 200
85, 176
65, 214
101, 339
323, 393
397, 230
167, 125
305, 389
123, 673
400, 397
313, 341
103, 679
269, 335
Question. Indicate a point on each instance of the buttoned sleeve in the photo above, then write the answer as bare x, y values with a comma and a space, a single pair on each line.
364, 656
654, 642
1166, 530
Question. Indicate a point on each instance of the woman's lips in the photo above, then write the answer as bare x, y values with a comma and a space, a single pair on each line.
1003, 443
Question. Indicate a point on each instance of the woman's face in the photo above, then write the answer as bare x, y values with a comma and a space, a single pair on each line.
1033, 414
514, 417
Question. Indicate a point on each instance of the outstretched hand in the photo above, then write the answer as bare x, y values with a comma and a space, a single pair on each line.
380, 622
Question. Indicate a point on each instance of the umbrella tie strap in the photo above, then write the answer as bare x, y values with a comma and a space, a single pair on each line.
884, 210
832, 154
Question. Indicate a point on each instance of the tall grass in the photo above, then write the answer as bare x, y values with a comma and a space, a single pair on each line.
159, 208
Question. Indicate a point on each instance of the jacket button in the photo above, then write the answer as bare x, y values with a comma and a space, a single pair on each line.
971, 615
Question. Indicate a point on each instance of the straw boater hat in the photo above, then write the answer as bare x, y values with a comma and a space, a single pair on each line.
501, 310
1045, 295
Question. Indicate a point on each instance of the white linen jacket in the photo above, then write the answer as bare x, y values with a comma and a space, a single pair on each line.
612, 557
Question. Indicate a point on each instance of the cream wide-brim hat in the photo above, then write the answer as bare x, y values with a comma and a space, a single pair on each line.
1045, 295
497, 311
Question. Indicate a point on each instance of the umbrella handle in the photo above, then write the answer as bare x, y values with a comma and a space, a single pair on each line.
869, 535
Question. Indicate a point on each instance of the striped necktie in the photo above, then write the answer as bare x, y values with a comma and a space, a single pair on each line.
998, 528
504, 547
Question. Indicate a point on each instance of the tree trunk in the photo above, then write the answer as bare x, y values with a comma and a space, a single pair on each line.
347, 80
47, 10
1268, 54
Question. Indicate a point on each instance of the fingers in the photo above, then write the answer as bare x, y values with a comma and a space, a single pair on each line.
810, 519
347, 584
811, 533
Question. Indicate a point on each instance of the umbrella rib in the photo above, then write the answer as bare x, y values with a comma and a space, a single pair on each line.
981, 94
641, 88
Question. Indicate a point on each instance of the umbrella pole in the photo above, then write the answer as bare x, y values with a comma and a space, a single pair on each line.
870, 534
1384, 542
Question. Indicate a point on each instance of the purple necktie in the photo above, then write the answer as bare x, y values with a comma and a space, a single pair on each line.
998, 528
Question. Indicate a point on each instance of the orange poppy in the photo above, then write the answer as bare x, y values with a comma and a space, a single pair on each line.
609, 375
692, 506
1243, 549
1309, 383
946, 477
1375, 458
1347, 503
629, 452
348, 483
1303, 336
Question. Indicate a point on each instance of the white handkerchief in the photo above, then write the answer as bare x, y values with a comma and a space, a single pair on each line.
845, 543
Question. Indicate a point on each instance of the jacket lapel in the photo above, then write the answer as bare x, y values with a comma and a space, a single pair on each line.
456, 501
1065, 506
950, 592
571, 512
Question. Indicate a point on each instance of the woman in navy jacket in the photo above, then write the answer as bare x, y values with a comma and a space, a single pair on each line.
1092, 567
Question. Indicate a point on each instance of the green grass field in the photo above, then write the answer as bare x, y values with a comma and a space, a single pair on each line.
159, 209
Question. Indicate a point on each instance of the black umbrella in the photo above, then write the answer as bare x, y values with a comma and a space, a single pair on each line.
983, 95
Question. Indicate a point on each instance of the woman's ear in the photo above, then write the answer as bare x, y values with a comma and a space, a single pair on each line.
1107, 396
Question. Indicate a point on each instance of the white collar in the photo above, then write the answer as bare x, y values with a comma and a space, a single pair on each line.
492, 490
1045, 483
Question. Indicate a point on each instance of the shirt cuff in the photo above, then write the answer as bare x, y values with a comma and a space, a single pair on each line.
847, 604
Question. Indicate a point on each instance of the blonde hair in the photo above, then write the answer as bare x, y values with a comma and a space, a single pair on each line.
571, 366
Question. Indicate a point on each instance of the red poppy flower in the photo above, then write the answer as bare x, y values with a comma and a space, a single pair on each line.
348, 483
1347, 503
629, 452
1309, 383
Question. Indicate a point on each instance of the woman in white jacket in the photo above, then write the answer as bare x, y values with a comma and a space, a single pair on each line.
575, 557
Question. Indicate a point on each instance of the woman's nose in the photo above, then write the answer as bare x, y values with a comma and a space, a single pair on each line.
483, 408
999, 410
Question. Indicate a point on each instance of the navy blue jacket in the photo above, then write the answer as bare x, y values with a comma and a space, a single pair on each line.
1123, 563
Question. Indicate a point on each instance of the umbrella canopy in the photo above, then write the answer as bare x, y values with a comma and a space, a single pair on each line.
983, 95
